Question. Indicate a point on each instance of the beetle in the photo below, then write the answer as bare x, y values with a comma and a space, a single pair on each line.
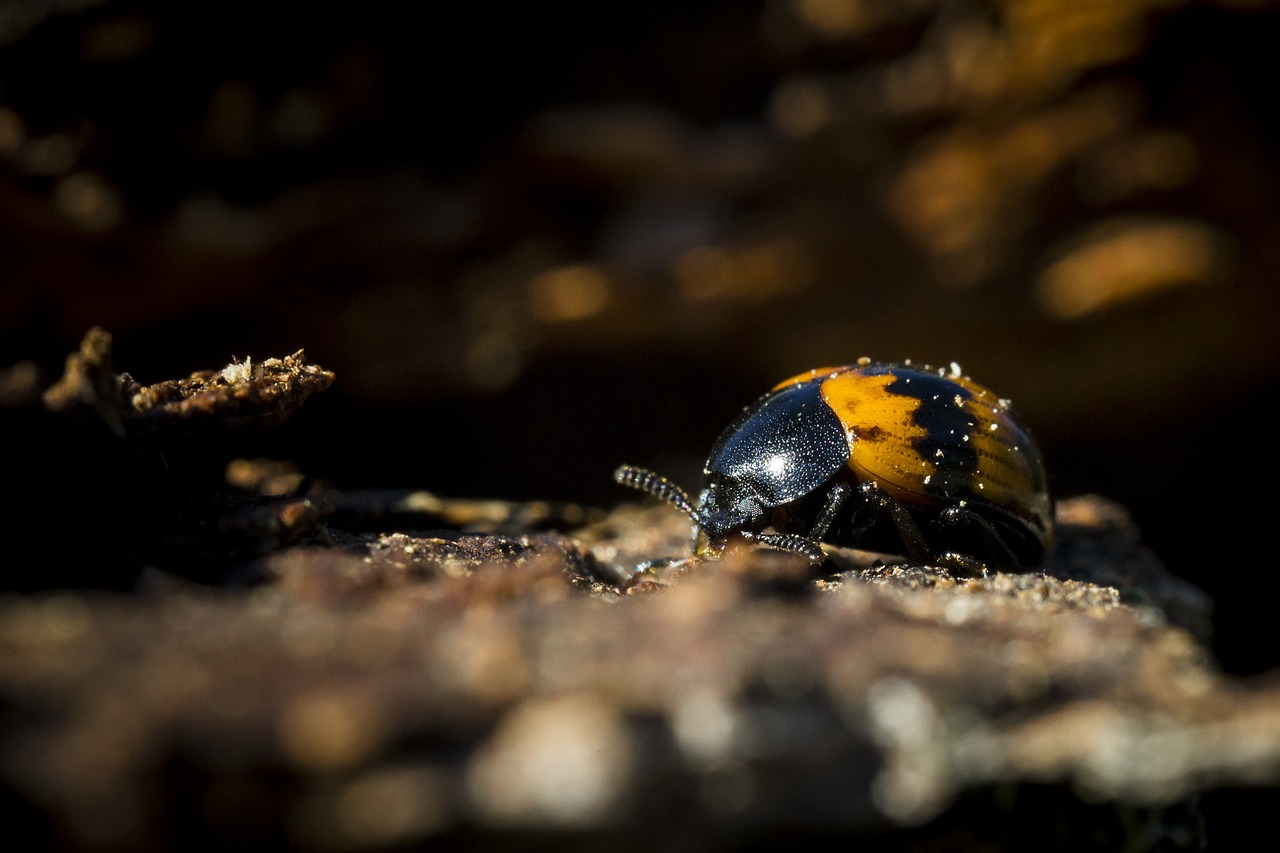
888, 457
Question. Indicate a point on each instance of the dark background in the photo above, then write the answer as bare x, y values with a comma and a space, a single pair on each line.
538, 240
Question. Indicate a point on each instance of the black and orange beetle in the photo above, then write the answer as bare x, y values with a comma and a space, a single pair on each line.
885, 457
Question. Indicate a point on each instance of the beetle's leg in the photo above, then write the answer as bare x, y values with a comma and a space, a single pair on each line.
624, 579
792, 542
962, 564
908, 530
836, 499
959, 517
695, 540
808, 545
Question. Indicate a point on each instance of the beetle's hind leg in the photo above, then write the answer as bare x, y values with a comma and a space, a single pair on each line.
908, 531
959, 518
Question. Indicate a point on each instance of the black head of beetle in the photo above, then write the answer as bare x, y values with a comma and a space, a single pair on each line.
718, 515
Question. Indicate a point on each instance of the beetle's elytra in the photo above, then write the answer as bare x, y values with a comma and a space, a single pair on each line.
887, 457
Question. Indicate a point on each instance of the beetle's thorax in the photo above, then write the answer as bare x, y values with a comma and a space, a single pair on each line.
784, 447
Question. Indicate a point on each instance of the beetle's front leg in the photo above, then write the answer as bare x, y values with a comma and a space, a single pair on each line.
836, 500
796, 544
625, 579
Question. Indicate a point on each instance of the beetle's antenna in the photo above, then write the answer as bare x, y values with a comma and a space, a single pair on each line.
658, 486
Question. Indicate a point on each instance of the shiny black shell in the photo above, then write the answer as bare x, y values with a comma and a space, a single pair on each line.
926, 439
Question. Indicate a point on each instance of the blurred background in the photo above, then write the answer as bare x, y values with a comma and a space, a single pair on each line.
535, 241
